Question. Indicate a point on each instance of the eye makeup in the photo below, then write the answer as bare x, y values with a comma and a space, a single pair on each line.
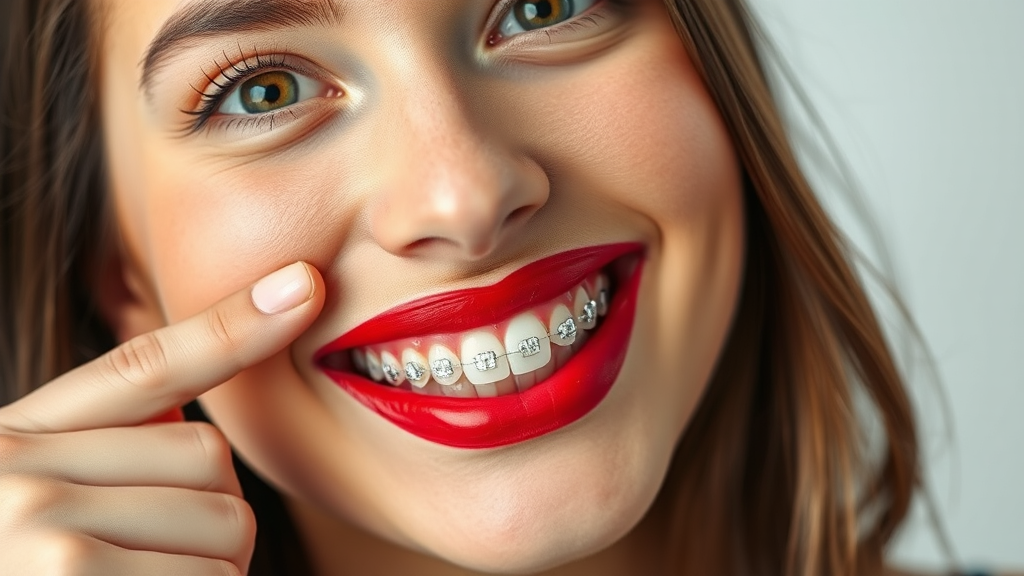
295, 87
290, 80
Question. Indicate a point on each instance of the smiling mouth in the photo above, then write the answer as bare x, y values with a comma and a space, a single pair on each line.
527, 355
505, 358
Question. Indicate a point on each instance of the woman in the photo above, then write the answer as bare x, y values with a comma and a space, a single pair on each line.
476, 287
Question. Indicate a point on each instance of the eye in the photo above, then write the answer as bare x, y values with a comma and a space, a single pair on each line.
527, 15
270, 92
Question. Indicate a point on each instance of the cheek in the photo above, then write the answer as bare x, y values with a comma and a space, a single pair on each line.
657, 140
649, 141
646, 139
213, 232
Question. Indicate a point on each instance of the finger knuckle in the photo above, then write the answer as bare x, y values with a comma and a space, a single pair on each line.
240, 519
14, 449
26, 500
225, 568
219, 323
66, 554
141, 361
214, 449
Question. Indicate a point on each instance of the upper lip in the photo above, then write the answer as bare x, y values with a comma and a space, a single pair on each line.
461, 310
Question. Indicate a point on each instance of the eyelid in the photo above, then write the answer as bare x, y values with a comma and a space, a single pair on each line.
501, 9
508, 8
504, 9
232, 74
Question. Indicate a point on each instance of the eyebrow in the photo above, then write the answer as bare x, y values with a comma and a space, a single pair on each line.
206, 18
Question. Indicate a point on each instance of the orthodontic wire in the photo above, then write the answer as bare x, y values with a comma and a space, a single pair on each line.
572, 330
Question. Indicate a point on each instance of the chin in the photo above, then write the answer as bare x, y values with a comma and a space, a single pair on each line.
549, 503
536, 541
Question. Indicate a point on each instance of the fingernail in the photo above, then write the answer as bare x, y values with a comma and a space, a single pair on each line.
283, 290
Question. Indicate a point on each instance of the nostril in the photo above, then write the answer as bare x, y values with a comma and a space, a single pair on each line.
423, 244
520, 215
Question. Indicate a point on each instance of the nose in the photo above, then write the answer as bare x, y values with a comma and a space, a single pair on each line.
450, 188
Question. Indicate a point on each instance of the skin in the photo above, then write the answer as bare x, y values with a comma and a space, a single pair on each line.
75, 471
445, 165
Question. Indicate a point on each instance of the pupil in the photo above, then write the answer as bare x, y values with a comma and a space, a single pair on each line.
272, 94
535, 14
268, 92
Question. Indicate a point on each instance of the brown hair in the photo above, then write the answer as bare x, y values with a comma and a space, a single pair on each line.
52, 193
775, 462
774, 465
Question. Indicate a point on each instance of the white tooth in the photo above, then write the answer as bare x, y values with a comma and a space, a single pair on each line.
526, 381
373, 366
486, 390
584, 310
392, 369
506, 386
444, 365
527, 344
461, 389
415, 366
601, 294
483, 358
561, 356
543, 374
562, 327
431, 389
581, 339
359, 360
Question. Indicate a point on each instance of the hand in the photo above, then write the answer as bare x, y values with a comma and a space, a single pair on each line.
83, 490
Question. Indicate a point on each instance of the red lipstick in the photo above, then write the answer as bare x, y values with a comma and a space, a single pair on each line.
571, 392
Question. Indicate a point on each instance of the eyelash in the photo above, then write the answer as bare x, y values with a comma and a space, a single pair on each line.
588, 19
228, 77
231, 74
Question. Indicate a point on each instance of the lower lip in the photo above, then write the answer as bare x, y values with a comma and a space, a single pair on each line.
566, 396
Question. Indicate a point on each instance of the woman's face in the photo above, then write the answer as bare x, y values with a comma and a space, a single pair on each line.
409, 149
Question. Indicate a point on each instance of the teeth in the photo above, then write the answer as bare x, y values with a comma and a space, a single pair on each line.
561, 355
543, 373
462, 389
506, 386
506, 357
585, 310
359, 360
486, 390
391, 368
526, 381
483, 358
444, 365
415, 366
373, 366
601, 289
562, 327
527, 344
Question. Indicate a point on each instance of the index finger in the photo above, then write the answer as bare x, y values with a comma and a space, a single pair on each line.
158, 371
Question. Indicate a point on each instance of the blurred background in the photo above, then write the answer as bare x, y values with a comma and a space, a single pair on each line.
925, 102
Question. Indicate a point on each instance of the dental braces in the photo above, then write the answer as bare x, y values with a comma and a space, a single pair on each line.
485, 361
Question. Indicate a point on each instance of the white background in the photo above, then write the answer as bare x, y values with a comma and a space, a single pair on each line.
925, 99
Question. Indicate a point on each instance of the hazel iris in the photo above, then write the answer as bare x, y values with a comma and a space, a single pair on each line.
269, 91
540, 13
